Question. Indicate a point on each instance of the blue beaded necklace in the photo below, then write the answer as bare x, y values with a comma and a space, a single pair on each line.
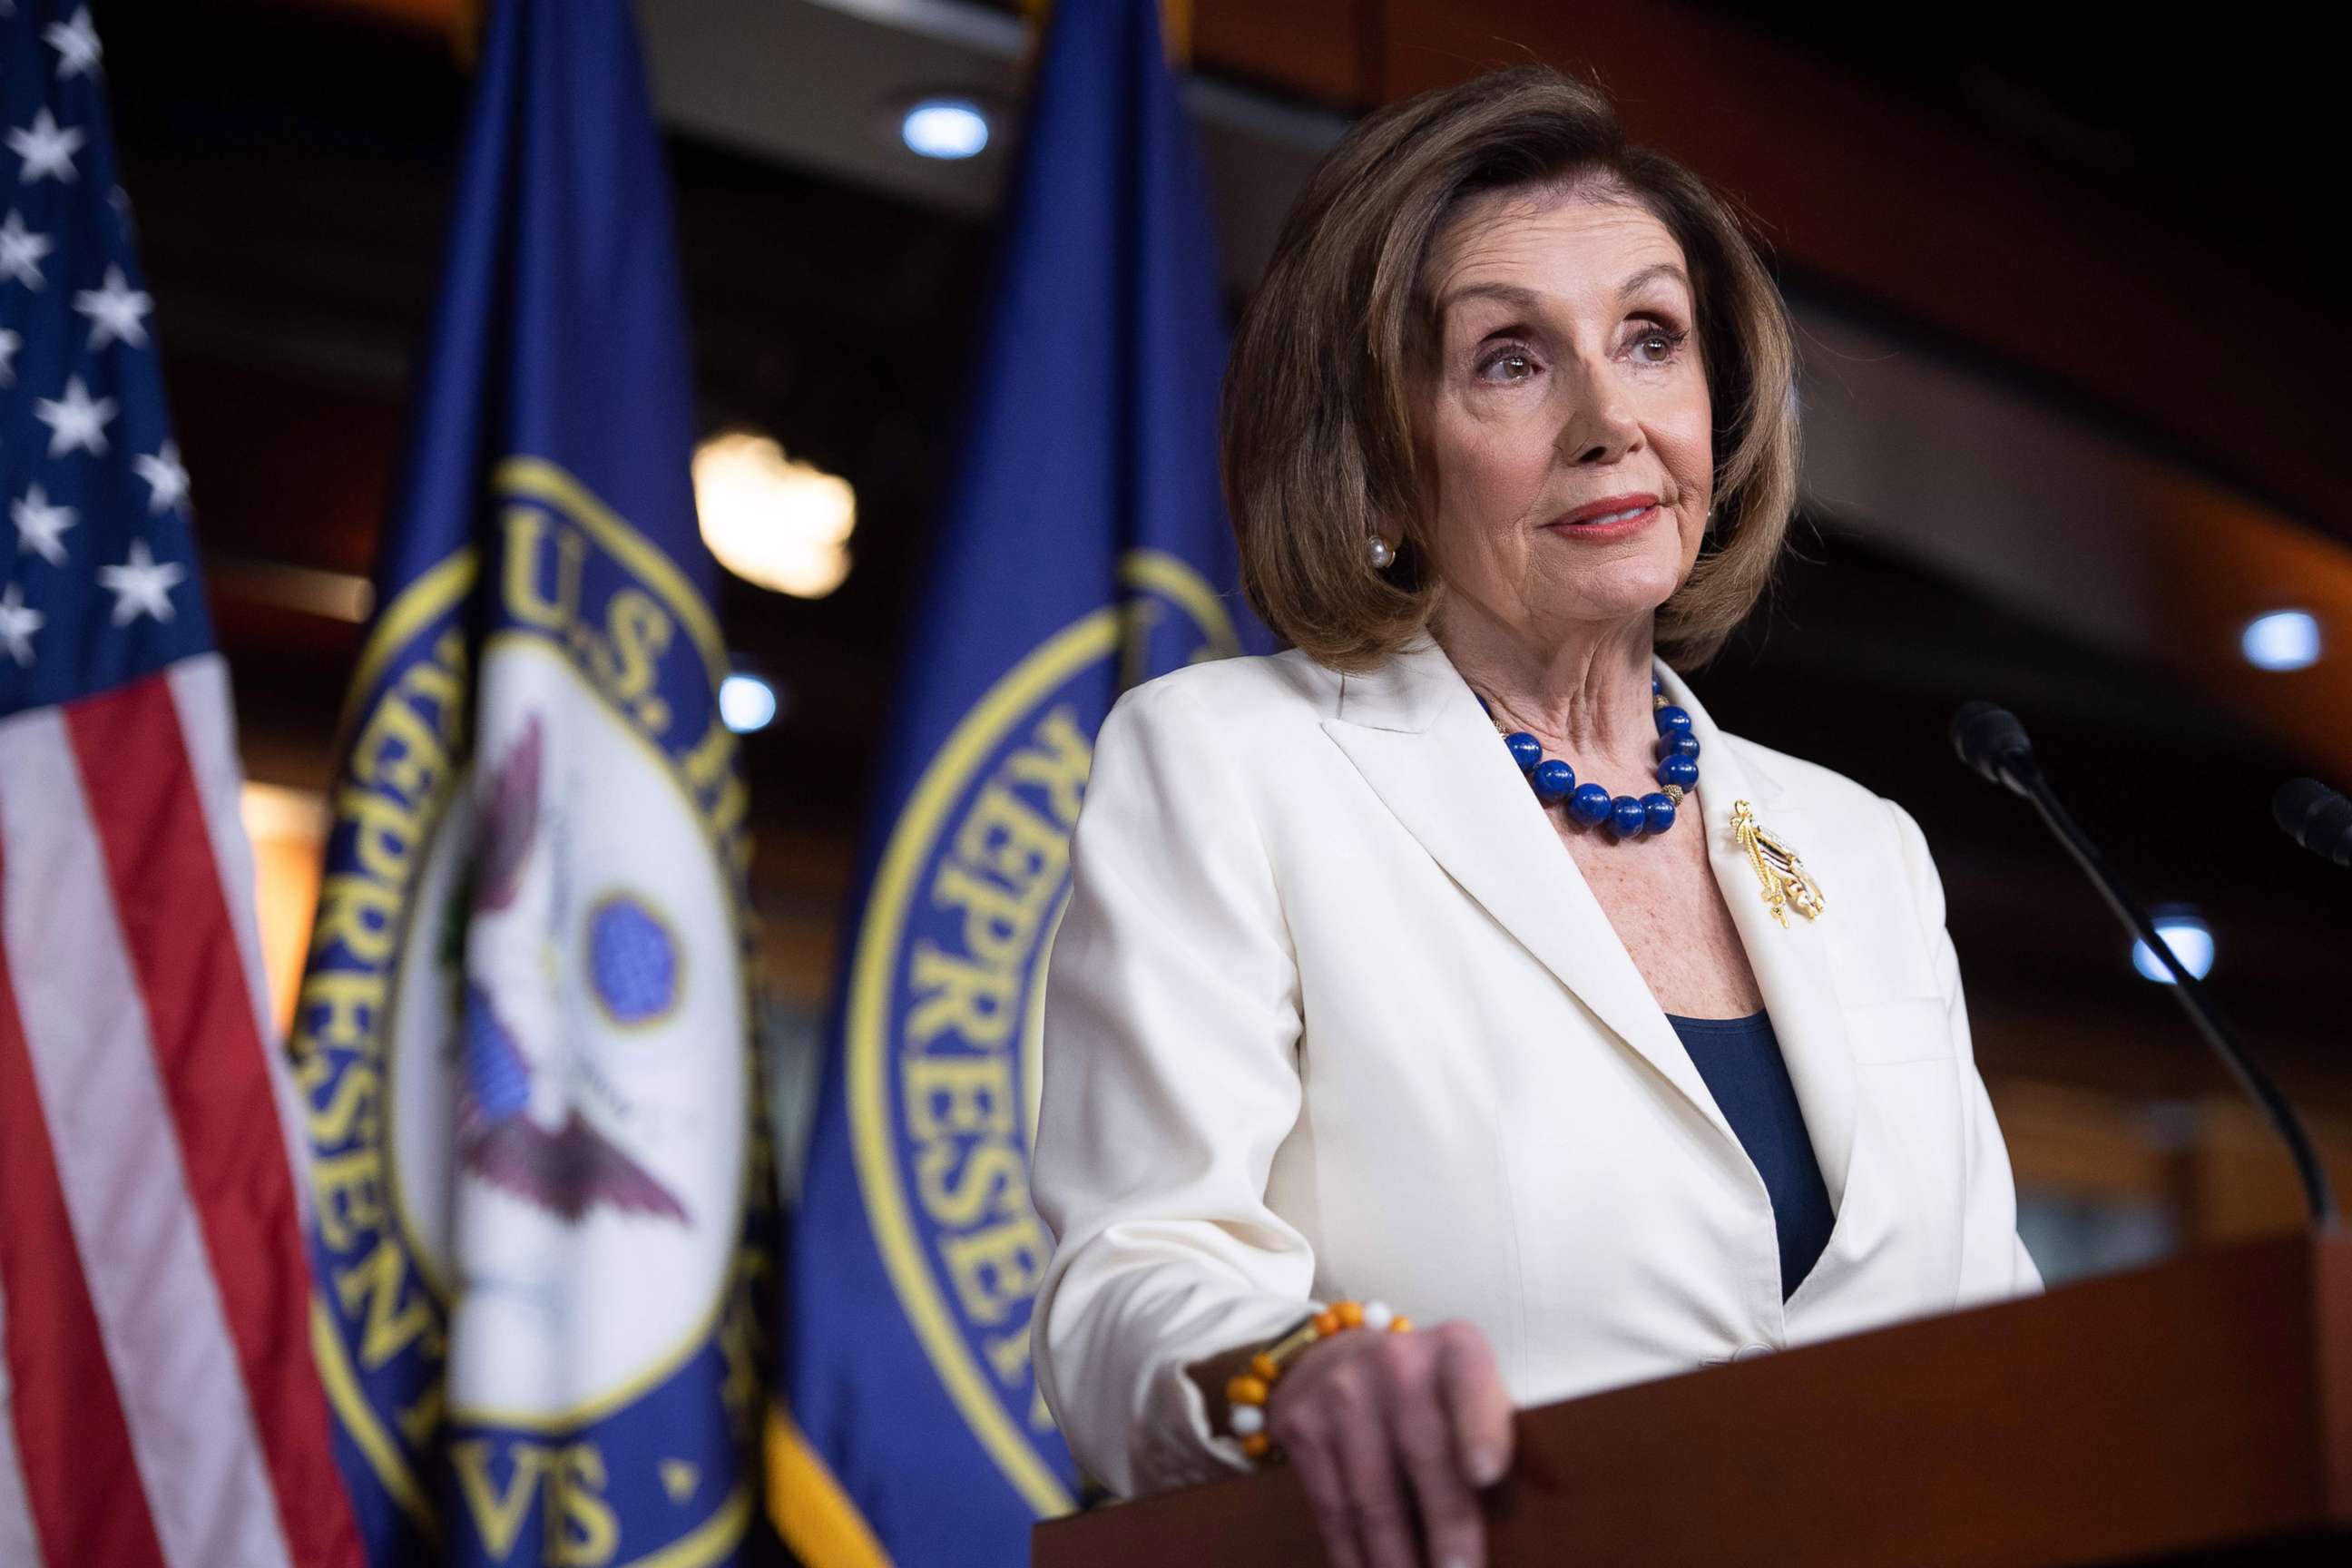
1627, 816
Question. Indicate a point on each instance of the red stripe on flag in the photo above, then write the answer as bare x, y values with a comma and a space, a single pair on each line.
142, 796
72, 1443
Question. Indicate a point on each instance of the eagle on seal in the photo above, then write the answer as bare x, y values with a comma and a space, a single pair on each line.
566, 1170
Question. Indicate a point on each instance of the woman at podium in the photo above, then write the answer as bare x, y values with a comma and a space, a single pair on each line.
1455, 968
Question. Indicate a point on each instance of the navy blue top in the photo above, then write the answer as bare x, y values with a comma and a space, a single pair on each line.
1741, 1060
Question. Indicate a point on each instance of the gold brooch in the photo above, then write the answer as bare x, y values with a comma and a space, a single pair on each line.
1786, 885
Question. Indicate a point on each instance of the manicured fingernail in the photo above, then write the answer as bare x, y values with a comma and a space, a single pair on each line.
1457, 1562
1485, 1466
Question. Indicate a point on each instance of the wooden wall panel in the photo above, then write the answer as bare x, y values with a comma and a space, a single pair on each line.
1322, 50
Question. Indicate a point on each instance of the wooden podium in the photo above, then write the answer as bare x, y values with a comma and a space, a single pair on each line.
2199, 1411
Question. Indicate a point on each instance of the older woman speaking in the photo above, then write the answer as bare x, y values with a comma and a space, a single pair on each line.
1455, 966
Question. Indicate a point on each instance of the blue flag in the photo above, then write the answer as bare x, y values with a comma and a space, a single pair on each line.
523, 1036
1086, 549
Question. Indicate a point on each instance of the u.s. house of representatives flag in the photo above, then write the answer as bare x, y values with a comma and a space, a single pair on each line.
522, 1039
158, 1407
1087, 550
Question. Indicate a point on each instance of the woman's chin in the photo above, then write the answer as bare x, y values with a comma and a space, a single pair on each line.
1630, 591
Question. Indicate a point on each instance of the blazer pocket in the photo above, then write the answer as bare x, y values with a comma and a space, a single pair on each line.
1906, 1030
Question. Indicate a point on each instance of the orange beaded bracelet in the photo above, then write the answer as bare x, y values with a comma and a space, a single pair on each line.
1248, 1392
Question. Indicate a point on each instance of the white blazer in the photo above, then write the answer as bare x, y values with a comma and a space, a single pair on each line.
1332, 1013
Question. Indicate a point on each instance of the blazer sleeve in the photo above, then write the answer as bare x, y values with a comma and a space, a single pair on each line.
1994, 1263
1171, 1077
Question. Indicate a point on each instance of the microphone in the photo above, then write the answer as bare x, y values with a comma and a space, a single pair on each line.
1991, 741
2316, 817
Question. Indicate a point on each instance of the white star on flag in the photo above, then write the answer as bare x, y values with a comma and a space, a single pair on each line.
76, 43
39, 524
167, 481
21, 250
45, 150
18, 622
9, 343
114, 311
74, 420
140, 585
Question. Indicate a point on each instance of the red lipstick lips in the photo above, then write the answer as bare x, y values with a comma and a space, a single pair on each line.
1624, 515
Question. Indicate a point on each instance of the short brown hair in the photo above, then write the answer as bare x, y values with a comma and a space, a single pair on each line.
1318, 422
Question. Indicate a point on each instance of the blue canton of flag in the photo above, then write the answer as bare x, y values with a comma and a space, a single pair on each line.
1087, 550
524, 1033
101, 580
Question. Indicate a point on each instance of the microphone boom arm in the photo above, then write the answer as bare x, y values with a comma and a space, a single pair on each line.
2317, 1195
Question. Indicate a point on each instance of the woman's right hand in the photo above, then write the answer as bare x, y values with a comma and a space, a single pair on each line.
1383, 1426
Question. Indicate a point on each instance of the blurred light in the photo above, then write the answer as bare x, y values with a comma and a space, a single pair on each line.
287, 829
780, 524
746, 702
329, 595
2189, 941
2283, 639
945, 128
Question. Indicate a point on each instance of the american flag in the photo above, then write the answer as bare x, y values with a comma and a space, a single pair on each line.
158, 1402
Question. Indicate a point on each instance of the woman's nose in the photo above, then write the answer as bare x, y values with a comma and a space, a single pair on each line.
1598, 426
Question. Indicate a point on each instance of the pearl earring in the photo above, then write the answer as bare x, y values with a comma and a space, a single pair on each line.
1379, 553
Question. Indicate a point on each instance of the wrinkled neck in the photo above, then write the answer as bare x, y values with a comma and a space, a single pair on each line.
1584, 696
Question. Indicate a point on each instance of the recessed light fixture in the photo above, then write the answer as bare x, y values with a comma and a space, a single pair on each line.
2282, 639
2190, 942
746, 702
944, 127
782, 524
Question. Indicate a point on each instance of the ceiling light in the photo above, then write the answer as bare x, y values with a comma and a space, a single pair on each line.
2189, 941
2283, 639
945, 128
770, 520
746, 702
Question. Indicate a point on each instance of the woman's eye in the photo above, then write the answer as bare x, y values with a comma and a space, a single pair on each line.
1511, 364
1660, 344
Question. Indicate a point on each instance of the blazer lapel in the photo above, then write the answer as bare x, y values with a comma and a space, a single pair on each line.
1791, 965
1416, 732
